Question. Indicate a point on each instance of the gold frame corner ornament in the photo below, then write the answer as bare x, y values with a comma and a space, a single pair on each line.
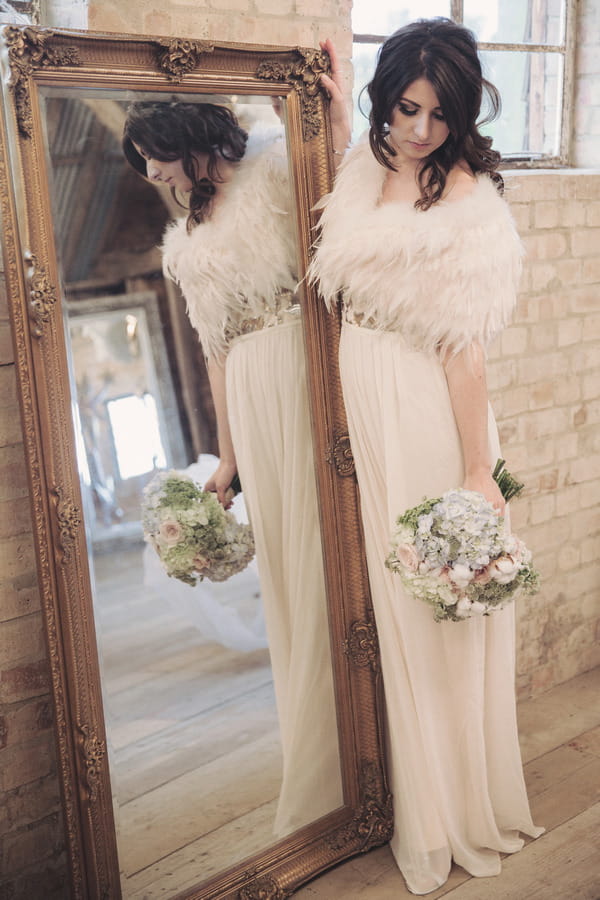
305, 76
29, 49
340, 455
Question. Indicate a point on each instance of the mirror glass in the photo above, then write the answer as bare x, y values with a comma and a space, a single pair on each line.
219, 706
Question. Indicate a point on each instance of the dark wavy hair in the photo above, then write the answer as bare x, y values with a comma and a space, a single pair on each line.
446, 55
175, 130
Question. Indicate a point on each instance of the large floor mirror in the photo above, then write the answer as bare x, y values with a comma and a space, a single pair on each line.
221, 739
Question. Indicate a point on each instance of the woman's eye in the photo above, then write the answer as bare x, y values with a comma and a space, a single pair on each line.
406, 111
439, 117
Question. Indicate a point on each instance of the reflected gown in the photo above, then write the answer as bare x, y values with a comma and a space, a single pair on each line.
415, 279
237, 273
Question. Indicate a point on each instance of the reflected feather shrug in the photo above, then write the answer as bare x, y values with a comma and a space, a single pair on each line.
234, 265
444, 277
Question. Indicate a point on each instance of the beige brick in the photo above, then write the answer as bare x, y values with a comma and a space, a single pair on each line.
514, 340
515, 400
586, 523
591, 328
592, 213
521, 213
25, 763
25, 721
25, 681
571, 213
590, 495
568, 557
538, 368
586, 358
543, 337
550, 245
541, 509
568, 500
7, 353
585, 241
590, 386
285, 7
35, 843
565, 446
156, 22
546, 214
585, 469
32, 802
590, 549
570, 331
19, 597
542, 394
590, 269
13, 473
22, 641
501, 374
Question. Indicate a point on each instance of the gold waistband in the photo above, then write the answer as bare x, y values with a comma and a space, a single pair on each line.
268, 319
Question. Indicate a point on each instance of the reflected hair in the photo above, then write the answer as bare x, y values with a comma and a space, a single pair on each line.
176, 130
445, 54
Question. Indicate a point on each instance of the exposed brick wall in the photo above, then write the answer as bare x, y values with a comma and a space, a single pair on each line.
544, 376
545, 382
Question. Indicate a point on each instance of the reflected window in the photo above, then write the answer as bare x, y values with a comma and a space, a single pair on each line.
136, 435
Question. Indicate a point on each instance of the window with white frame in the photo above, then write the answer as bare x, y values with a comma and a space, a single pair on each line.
527, 52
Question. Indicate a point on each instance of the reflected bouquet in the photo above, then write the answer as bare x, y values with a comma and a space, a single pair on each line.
454, 553
195, 538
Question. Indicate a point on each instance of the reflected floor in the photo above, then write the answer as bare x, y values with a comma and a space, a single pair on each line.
194, 742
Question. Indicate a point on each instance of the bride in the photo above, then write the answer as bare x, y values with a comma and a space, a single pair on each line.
419, 242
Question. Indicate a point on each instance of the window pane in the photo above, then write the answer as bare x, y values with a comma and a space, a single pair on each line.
516, 21
385, 16
530, 87
363, 60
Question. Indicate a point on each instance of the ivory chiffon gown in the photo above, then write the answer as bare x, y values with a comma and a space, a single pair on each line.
237, 271
411, 282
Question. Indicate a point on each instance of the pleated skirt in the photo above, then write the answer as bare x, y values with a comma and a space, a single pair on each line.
270, 425
452, 743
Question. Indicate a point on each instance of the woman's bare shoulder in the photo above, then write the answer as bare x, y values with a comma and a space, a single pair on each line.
460, 183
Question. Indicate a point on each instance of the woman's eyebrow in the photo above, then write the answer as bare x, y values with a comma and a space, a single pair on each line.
418, 105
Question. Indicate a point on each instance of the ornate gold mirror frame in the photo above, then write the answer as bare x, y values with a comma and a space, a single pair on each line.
33, 58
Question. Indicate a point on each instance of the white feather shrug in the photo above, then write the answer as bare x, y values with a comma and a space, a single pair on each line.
443, 278
234, 265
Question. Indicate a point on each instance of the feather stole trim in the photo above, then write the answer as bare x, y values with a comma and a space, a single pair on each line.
444, 278
234, 265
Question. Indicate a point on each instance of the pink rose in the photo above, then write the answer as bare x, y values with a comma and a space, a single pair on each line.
200, 563
407, 557
482, 576
170, 532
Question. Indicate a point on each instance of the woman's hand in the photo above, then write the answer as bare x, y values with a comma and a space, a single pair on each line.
220, 482
483, 483
338, 113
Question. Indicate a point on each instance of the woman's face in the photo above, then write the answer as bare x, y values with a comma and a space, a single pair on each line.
172, 173
417, 126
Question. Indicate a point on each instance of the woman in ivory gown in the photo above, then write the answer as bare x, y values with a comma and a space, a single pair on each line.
234, 258
421, 245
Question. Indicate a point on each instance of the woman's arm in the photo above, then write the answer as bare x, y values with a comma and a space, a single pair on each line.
465, 374
338, 113
221, 479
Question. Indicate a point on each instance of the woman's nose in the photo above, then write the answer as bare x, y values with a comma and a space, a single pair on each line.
152, 170
421, 127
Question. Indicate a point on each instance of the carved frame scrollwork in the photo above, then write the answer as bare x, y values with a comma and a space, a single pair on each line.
35, 60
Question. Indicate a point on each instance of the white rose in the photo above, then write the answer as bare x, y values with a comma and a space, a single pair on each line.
504, 569
170, 532
407, 557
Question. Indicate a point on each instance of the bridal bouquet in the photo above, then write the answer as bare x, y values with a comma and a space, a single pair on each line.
193, 535
453, 552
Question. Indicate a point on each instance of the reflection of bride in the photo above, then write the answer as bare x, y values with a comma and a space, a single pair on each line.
234, 259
